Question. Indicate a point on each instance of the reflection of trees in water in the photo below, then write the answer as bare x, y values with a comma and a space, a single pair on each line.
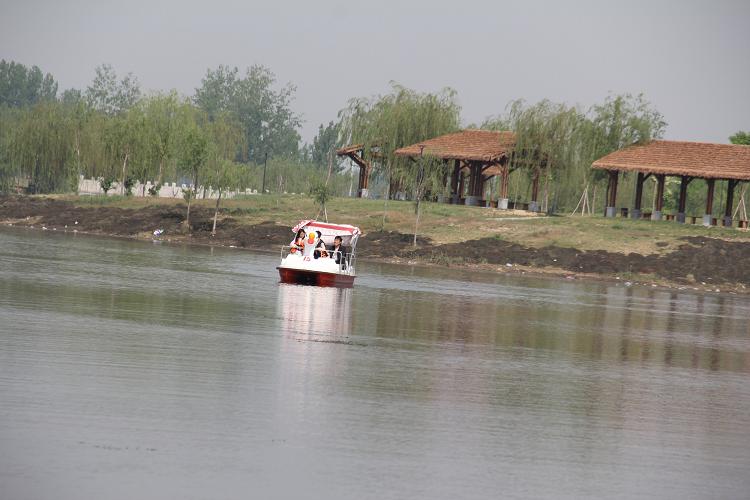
621, 324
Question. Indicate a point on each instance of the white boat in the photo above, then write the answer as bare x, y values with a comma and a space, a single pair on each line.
305, 261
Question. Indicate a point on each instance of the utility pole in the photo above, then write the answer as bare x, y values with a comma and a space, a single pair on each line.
265, 162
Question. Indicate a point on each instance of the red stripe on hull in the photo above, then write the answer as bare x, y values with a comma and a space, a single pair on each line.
315, 278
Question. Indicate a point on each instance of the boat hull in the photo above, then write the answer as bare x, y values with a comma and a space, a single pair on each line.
315, 278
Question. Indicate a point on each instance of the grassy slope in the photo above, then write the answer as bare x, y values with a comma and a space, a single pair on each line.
450, 224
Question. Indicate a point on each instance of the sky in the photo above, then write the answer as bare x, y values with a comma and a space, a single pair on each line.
690, 59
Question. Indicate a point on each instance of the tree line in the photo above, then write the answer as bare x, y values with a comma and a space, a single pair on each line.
223, 136
237, 122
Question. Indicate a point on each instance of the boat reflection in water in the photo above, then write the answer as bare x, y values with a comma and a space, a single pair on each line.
314, 313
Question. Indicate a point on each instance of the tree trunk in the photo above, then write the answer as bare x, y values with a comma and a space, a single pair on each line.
124, 169
416, 222
187, 215
216, 214
330, 167
385, 202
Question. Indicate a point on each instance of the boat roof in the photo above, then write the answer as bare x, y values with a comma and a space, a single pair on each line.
328, 229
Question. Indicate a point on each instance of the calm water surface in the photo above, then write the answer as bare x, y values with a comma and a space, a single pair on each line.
138, 370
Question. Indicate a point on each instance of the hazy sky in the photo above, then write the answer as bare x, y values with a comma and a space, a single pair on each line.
691, 59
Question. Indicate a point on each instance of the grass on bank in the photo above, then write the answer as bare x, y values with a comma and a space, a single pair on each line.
451, 223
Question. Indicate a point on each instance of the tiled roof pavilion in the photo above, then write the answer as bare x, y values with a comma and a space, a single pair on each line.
482, 153
467, 145
689, 161
694, 159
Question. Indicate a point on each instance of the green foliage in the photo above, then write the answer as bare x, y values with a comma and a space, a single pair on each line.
268, 122
225, 175
188, 194
194, 153
129, 183
740, 137
164, 116
106, 184
110, 131
21, 86
41, 147
109, 95
325, 144
561, 142
401, 118
321, 193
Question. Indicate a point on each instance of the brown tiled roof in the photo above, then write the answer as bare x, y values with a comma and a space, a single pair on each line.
696, 159
470, 145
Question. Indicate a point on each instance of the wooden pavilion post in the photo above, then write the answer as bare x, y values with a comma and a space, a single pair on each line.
684, 181
614, 176
660, 181
455, 194
475, 183
636, 213
502, 200
355, 153
708, 215
533, 204
461, 184
731, 184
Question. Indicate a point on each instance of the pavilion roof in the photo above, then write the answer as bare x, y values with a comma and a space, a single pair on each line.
469, 145
695, 159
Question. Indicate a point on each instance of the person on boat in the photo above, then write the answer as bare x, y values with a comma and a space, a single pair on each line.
338, 252
320, 249
299, 242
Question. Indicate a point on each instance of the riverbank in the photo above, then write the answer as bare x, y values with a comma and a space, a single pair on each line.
661, 253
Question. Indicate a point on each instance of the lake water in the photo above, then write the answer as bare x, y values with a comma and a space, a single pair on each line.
132, 370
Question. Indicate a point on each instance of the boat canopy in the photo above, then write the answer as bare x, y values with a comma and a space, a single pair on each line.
349, 234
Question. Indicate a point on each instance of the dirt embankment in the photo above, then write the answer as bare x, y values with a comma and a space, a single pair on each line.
695, 260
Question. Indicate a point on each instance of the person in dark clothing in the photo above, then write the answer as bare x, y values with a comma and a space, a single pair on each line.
339, 252
320, 249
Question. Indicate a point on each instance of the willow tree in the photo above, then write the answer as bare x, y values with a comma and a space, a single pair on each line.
193, 157
41, 147
162, 120
400, 118
546, 136
226, 139
223, 176
125, 137
622, 121
557, 143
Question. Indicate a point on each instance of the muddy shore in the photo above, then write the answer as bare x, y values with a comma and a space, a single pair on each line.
701, 263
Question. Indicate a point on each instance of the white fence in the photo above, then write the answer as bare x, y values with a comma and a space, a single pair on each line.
92, 186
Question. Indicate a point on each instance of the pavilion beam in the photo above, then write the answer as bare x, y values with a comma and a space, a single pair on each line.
684, 182
731, 184
614, 176
502, 201
659, 204
710, 188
